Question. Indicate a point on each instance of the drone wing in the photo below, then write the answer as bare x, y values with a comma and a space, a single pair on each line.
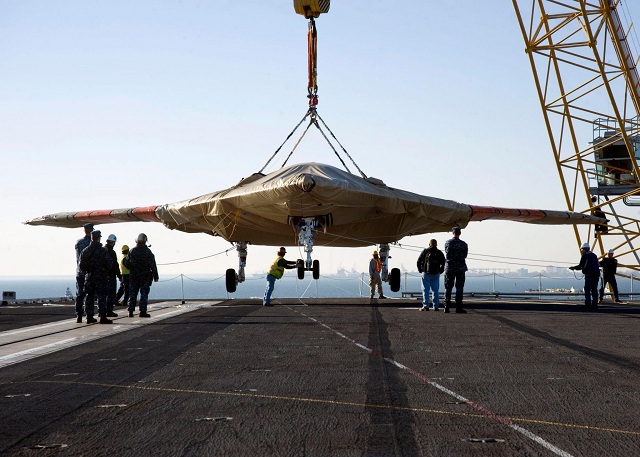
346, 210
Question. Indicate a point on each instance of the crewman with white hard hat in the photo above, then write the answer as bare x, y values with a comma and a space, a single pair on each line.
112, 273
609, 267
144, 271
591, 271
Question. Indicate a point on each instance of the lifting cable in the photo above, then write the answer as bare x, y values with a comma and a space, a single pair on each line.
312, 114
312, 51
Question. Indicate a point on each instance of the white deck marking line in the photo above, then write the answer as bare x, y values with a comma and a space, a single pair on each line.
33, 327
503, 420
101, 332
36, 349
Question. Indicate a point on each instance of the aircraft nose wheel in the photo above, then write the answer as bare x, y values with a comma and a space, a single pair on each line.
315, 269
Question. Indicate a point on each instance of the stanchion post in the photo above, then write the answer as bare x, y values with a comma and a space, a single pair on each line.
182, 281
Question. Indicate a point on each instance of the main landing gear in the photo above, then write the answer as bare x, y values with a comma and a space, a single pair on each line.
393, 277
232, 279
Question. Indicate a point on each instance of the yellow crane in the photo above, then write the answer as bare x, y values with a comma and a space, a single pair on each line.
589, 90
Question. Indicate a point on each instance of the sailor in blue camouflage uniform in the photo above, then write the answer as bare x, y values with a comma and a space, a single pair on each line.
455, 251
81, 244
113, 275
142, 264
95, 262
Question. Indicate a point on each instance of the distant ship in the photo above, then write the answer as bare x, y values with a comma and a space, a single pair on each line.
551, 291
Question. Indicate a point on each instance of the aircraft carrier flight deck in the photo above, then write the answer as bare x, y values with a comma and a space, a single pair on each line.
322, 377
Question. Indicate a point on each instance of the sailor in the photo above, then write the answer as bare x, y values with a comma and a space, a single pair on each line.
81, 244
123, 290
431, 264
591, 271
609, 266
276, 270
375, 282
112, 273
94, 261
455, 251
143, 271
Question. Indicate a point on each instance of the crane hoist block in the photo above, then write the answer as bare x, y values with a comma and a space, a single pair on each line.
311, 8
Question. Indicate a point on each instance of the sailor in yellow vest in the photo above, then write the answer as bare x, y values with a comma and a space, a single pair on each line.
276, 270
124, 284
375, 267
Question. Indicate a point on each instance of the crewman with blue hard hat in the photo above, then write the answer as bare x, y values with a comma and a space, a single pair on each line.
81, 244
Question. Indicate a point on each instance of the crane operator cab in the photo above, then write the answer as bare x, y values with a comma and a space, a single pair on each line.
614, 173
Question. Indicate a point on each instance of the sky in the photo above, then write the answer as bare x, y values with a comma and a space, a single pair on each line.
120, 104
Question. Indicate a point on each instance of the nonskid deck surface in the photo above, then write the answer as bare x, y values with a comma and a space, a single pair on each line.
327, 377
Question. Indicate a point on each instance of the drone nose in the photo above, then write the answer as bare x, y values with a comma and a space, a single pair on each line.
306, 183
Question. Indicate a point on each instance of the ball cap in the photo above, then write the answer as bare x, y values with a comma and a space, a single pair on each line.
456, 229
96, 234
88, 226
585, 246
112, 237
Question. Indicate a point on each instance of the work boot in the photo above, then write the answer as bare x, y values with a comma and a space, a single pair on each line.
79, 319
104, 320
461, 310
382, 297
111, 314
446, 309
145, 315
91, 320
130, 313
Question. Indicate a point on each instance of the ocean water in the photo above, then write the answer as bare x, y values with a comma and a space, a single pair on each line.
209, 287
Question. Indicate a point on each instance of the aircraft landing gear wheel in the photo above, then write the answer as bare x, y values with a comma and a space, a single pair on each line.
394, 280
316, 269
300, 269
231, 280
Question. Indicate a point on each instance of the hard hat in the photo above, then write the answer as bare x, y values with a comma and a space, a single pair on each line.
585, 246
112, 237
282, 249
611, 251
375, 252
88, 226
125, 247
96, 234
142, 238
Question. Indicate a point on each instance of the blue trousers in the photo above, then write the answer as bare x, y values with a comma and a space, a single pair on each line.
141, 285
95, 286
112, 286
431, 282
451, 279
271, 282
80, 293
591, 290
